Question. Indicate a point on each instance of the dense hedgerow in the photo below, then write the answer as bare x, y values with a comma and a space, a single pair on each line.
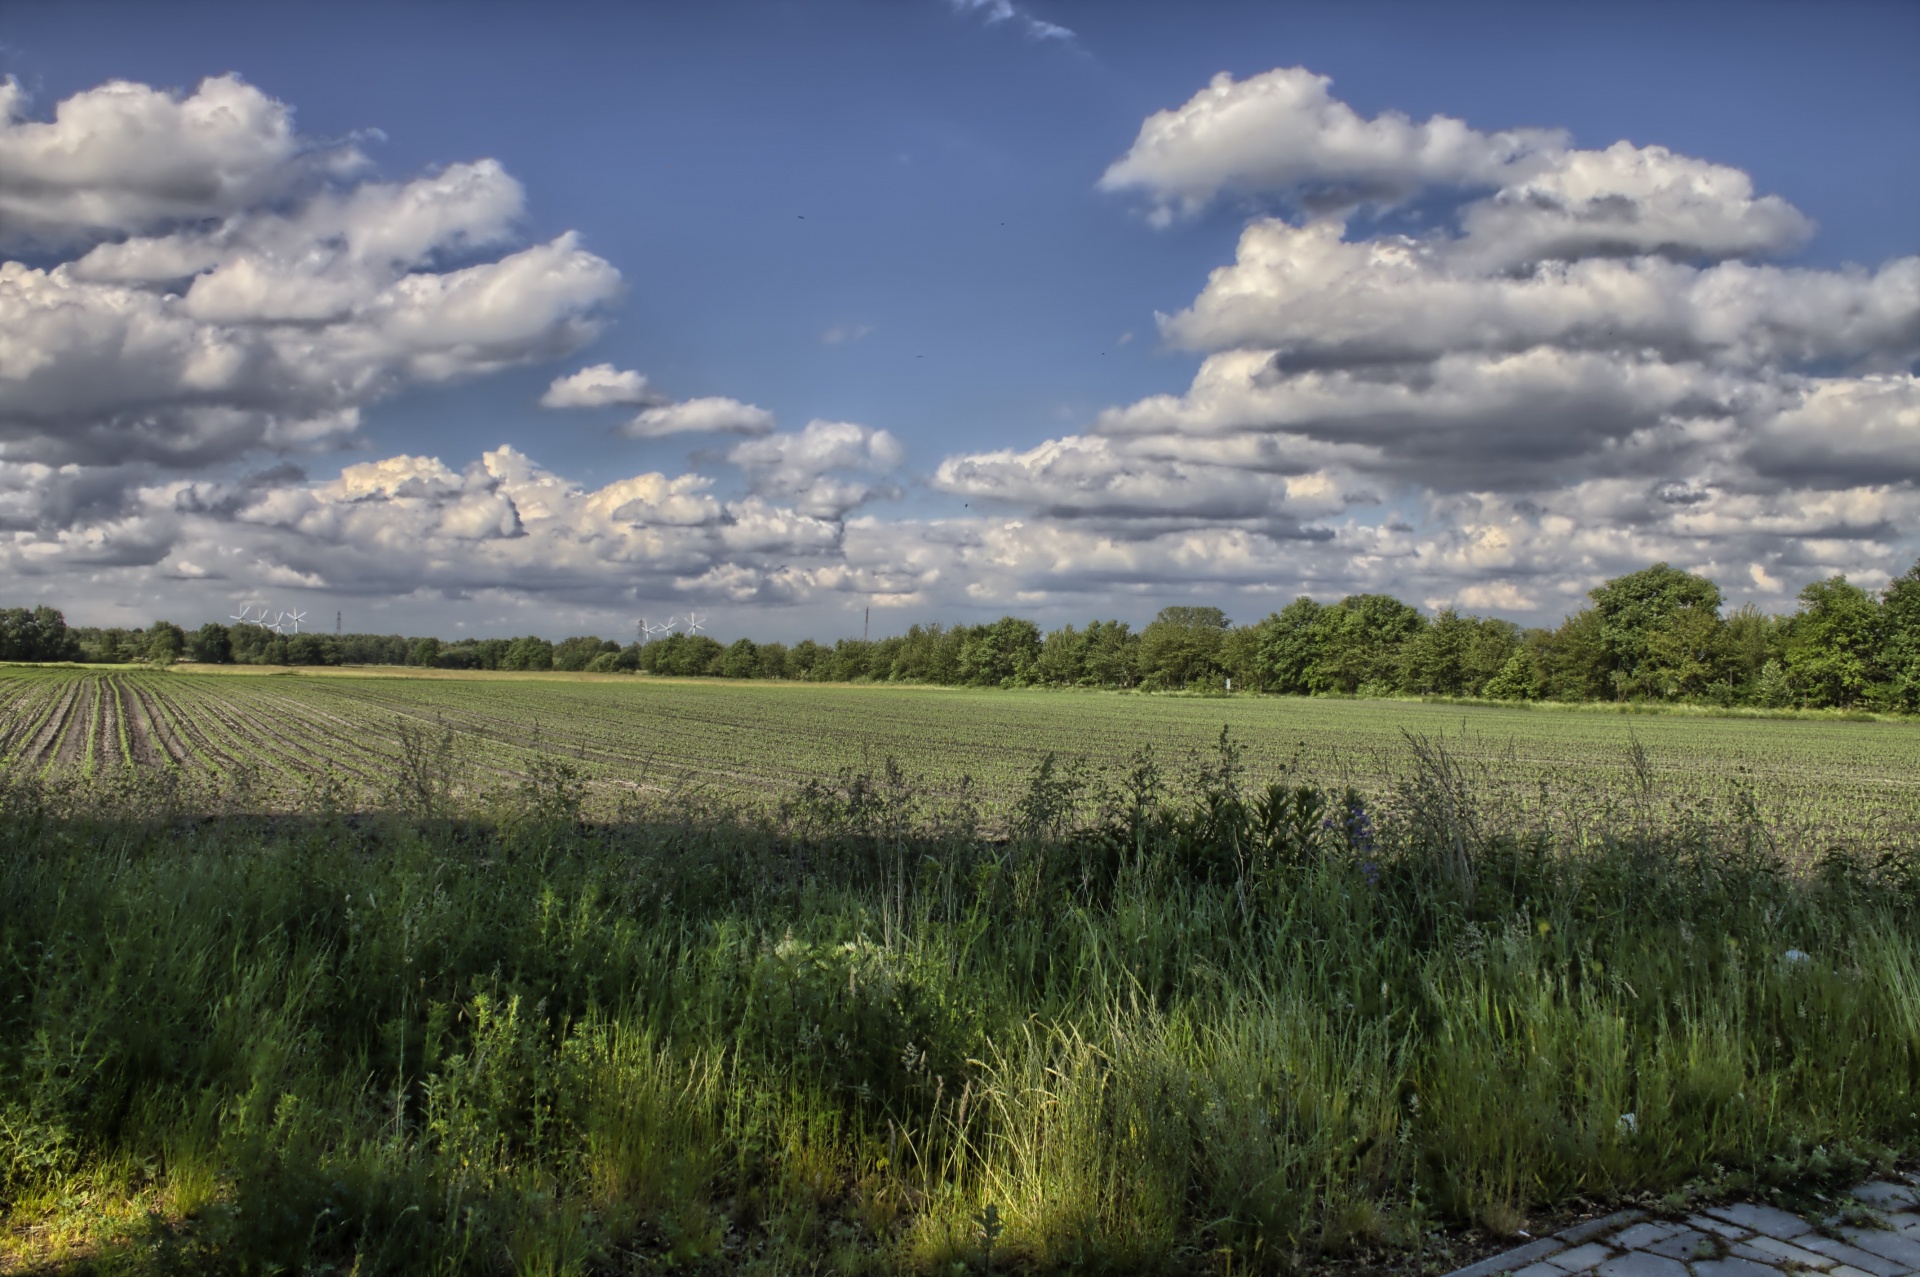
1657, 635
1216, 1025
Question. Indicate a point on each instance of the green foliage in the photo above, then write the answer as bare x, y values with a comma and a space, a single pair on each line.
579, 653
166, 642
1183, 648
529, 653
1003, 654
1288, 647
1652, 635
1658, 632
1228, 1020
1900, 640
1833, 648
1517, 680
681, 655
1358, 643
37, 635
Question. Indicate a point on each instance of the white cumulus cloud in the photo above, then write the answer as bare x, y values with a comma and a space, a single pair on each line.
599, 385
1578, 371
252, 292
714, 414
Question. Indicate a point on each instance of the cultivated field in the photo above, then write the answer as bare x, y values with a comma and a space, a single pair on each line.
1377, 1019
277, 735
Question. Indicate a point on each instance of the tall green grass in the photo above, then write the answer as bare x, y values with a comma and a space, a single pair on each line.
1205, 1026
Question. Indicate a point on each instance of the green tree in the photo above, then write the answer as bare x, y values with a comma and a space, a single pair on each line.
1360, 641
311, 649
37, 635
1240, 654
1494, 644
1063, 658
579, 652
1113, 655
1687, 656
1832, 656
742, 660
1753, 641
210, 644
1659, 632
1435, 658
1289, 647
771, 661
1181, 647
1571, 663
528, 653
1900, 640
1000, 655
1517, 680
165, 642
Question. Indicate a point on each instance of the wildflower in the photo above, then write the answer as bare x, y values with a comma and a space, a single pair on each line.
1629, 1124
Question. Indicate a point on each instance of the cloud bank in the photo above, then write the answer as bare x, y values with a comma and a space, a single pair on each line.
1591, 365
1594, 358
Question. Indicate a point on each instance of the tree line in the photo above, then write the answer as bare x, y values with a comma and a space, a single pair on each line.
1660, 634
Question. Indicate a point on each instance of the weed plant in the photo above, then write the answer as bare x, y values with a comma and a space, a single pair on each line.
1204, 1026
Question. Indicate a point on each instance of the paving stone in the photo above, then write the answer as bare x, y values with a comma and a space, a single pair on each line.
1853, 1256
1752, 1240
1686, 1244
1581, 1258
1505, 1262
1732, 1268
1638, 1263
1642, 1235
1718, 1227
1771, 1250
1776, 1251
1595, 1227
1763, 1219
1901, 1250
1887, 1196
1541, 1269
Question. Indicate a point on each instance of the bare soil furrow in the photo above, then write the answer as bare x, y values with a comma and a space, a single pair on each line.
38, 749
36, 710
74, 749
185, 717
250, 728
155, 741
339, 736
123, 721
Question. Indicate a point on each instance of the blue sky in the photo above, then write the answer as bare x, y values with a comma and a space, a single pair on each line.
890, 215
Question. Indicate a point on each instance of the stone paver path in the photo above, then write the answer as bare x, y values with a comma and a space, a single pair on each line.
1730, 1241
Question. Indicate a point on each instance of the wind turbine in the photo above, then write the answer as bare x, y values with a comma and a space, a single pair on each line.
694, 623
295, 618
246, 614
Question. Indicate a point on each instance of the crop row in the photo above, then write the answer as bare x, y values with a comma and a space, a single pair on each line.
277, 735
